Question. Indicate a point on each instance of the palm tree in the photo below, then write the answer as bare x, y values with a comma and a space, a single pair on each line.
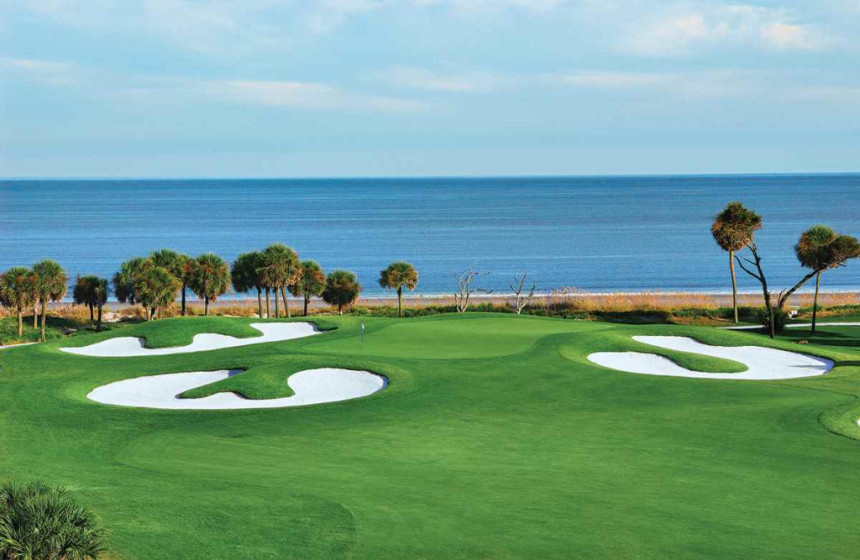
209, 278
123, 280
279, 271
245, 274
154, 288
309, 282
16, 291
733, 230
89, 291
99, 290
341, 289
49, 284
820, 248
395, 277
176, 264
38, 522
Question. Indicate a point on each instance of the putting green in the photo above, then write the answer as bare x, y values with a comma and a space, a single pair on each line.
496, 438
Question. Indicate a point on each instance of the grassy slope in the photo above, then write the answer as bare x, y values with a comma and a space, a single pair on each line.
496, 439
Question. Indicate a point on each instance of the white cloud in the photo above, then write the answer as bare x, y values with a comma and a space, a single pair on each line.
684, 30
44, 71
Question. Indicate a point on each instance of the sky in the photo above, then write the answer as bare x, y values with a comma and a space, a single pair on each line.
332, 88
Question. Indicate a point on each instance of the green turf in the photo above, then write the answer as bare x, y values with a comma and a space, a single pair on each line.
496, 439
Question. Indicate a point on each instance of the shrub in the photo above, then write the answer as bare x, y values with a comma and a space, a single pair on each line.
780, 318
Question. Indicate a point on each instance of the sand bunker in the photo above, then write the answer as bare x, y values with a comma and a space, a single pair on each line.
313, 386
128, 346
763, 363
794, 326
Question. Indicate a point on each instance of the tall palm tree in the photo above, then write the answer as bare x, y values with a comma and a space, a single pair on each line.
820, 248
341, 289
155, 287
87, 292
38, 522
99, 290
16, 291
308, 283
397, 276
49, 284
733, 230
209, 278
245, 274
279, 271
176, 264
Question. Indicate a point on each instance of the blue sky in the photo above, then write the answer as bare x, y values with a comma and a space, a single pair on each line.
427, 87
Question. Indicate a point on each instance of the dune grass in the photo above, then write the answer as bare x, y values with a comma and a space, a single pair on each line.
495, 439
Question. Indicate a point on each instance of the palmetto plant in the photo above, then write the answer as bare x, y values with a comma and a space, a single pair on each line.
155, 287
279, 270
246, 275
733, 230
820, 248
308, 283
209, 278
341, 289
16, 290
49, 284
176, 264
397, 276
41, 522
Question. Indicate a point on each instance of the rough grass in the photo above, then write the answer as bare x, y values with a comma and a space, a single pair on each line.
489, 443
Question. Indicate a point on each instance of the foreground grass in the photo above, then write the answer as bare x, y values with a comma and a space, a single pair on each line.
496, 439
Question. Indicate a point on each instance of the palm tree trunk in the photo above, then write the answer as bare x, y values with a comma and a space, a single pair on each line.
99, 323
399, 301
36, 315
277, 308
267, 302
259, 302
20, 322
184, 287
286, 303
205, 306
306, 305
734, 284
44, 318
815, 302
92, 315
339, 309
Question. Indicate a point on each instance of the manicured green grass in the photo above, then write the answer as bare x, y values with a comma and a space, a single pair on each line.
495, 439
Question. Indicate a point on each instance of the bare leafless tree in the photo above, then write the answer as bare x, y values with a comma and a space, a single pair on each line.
465, 288
521, 297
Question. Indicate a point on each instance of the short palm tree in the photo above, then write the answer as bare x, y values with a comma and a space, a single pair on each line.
397, 276
209, 278
176, 264
155, 287
733, 230
41, 522
280, 267
820, 248
16, 292
92, 292
246, 276
123, 280
308, 283
49, 284
341, 289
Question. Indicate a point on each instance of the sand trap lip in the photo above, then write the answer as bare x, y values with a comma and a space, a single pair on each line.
17, 345
130, 346
312, 386
763, 363
795, 326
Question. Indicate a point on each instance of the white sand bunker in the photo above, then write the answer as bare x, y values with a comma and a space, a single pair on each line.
313, 386
128, 346
762, 363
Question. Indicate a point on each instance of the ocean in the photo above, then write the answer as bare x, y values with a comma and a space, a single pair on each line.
602, 234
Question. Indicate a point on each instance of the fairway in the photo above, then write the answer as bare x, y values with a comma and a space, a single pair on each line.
495, 438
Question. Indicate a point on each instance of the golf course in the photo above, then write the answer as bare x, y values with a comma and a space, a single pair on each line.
479, 436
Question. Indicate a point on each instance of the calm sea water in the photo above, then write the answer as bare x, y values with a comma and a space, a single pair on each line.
599, 234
